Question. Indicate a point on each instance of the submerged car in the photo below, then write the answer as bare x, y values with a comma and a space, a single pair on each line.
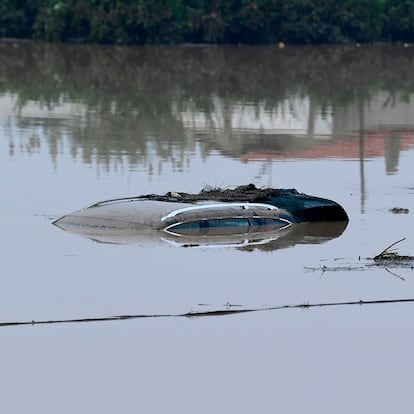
243, 216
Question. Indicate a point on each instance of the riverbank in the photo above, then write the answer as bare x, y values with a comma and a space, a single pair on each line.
201, 21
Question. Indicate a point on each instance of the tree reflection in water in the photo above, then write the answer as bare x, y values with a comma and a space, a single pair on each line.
150, 105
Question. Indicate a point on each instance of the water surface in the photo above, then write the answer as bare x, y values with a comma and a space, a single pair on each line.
80, 124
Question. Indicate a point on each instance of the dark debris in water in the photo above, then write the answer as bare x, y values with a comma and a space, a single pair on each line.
399, 210
393, 257
388, 258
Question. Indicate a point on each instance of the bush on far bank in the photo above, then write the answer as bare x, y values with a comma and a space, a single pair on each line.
399, 21
204, 21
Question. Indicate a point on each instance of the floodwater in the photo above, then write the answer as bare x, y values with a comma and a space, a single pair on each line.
79, 124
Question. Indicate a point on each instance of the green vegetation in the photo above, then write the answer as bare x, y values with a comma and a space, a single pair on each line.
208, 21
399, 23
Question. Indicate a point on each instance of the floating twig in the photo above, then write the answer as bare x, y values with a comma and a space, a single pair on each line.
388, 255
218, 312
395, 274
324, 268
386, 250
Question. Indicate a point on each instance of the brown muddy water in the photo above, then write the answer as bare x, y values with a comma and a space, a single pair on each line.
79, 124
